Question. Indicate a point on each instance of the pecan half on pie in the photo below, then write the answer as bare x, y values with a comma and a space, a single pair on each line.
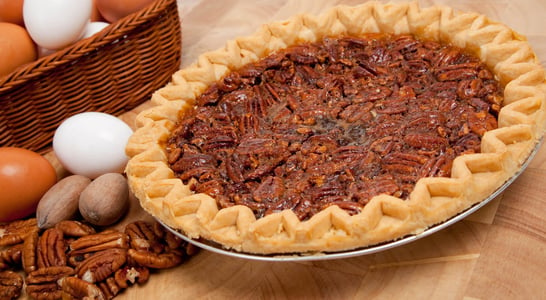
327, 133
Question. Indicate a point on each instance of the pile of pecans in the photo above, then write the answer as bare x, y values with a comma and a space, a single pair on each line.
74, 261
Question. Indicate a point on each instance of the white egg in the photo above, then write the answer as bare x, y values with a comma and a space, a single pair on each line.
92, 144
54, 24
93, 28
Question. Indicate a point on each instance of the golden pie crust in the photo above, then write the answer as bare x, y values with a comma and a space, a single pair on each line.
385, 218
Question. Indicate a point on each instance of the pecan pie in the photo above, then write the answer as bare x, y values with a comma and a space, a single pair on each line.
332, 132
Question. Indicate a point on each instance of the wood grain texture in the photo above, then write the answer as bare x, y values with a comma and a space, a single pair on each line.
513, 256
497, 253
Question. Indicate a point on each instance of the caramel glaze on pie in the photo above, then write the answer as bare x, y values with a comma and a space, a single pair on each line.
335, 123
386, 217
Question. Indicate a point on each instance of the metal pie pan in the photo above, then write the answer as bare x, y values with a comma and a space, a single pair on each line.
288, 257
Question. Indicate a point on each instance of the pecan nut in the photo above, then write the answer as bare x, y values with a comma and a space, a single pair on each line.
42, 283
98, 242
30, 245
74, 228
51, 250
156, 261
11, 256
101, 265
48, 274
425, 141
130, 275
190, 249
16, 231
162, 234
75, 260
44, 280
458, 74
109, 288
76, 288
11, 285
169, 239
143, 236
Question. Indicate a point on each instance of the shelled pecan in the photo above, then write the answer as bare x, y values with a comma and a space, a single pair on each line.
98, 242
16, 231
76, 288
109, 288
101, 265
130, 275
169, 239
74, 260
42, 283
190, 249
74, 228
143, 237
156, 261
155, 247
48, 274
11, 256
29, 252
122, 279
11, 285
51, 250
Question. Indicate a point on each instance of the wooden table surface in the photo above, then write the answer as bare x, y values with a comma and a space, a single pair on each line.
499, 252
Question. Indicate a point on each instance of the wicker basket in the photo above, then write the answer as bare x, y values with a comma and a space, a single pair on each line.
111, 72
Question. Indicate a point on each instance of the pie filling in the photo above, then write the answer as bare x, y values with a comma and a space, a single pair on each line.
335, 122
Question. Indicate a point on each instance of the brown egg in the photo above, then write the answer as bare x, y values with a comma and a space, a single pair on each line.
25, 176
16, 47
95, 14
11, 11
113, 10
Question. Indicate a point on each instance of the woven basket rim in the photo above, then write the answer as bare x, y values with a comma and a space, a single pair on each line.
114, 31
